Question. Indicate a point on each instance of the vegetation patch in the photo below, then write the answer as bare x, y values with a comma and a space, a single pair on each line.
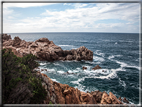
19, 84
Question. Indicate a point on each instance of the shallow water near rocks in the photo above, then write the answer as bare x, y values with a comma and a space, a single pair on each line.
116, 53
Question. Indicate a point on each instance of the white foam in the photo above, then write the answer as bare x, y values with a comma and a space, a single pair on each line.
51, 70
79, 80
78, 68
100, 59
97, 52
112, 56
122, 64
42, 63
44, 72
115, 43
56, 64
74, 71
60, 72
122, 83
111, 75
106, 71
55, 80
70, 71
92, 62
88, 67
106, 40
66, 45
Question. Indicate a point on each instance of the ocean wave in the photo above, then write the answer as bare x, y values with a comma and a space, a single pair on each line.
100, 71
125, 41
100, 59
81, 41
66, 45
51, 70
122, 64
106, 40
122, 83
56, 63
113, 56
42, 63
60, 72
55, 80
79, 80
92, 62
97, 52
88, 67
109, 76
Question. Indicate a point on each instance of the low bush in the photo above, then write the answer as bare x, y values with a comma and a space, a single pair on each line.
16, 72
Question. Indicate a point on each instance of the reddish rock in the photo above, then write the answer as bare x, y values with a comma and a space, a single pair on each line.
97, 95
114, 99
125, 100
47, 50
69, 57
105, 98
43, 40
16, 42
6, 37
66, 92
68, 99
96, 67
84, 68
120, 99
8, 43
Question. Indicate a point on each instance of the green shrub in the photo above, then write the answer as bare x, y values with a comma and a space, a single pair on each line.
15, 70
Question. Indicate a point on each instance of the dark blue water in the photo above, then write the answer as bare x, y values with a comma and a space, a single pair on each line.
117, 53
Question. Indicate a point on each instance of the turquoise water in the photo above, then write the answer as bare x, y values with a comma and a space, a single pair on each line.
117, 53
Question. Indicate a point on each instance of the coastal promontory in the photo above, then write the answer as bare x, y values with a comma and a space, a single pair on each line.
44, 49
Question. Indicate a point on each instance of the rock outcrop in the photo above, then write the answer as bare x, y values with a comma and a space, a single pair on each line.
84, 68
96, 67
6, 37
45, 49
59, 93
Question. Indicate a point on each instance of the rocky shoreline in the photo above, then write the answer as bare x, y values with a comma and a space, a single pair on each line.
59, 93
44, 49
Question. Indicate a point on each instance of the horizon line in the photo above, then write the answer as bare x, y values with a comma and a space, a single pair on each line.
71, 32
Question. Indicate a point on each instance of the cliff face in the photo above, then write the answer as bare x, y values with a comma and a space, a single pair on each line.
45, 49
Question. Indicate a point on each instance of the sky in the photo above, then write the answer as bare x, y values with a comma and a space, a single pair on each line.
71, 17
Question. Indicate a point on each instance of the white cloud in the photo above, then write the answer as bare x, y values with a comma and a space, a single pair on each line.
25, 5
7, 12
81, 19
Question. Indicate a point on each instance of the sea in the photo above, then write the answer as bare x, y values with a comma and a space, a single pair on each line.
116, 53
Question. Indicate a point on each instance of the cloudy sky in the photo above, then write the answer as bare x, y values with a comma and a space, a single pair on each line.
71, 17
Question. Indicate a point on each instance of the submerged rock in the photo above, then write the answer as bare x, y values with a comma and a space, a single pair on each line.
84, 68
125, 100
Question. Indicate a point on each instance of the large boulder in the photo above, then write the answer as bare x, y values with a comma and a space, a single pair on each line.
43, 40
16, 42
6, 37
97, 95
96, 67
69, 57
8, 43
